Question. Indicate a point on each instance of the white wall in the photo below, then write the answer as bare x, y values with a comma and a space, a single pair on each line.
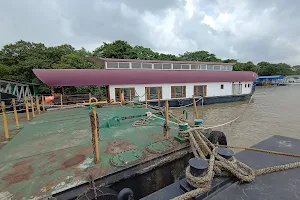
213, 89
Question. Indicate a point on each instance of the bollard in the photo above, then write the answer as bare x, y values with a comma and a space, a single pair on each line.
26, 107
183, 126
195, 108
6, 135
15, 113
225, 152
61, 99
95, 140
32, 107
198, 166
43, 103
198, 122
38, 104
166, 119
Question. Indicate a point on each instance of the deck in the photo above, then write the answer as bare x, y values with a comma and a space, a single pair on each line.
53, 152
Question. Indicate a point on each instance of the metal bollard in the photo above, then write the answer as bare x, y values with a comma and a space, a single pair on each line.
225, 153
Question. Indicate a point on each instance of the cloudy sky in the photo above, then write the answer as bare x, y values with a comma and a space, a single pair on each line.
253, 30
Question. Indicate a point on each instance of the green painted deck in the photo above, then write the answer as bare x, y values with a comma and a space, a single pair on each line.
53, 152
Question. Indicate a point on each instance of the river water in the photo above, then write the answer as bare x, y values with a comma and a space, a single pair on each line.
272, 111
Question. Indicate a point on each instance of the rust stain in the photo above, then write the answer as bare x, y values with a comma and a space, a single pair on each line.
48, 187
117, 146
97, 172
84, 150
21, 172
72, 162
157, 136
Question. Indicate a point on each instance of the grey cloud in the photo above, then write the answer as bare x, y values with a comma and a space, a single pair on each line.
265, 30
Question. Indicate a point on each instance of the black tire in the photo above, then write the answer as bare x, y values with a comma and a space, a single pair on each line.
218, 137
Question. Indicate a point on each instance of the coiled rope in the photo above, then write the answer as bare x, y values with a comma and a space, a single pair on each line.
219, 166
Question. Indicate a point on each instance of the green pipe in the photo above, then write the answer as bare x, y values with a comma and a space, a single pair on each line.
186, 114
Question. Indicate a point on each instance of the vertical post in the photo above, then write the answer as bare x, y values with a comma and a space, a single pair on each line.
90, 96
15, 113
158, 97
195, 108
130, 103
61, 99
32, 106
167, 118
146, 97
95, 136
4, 121
52, 91
43, 103
26, 107
37, 100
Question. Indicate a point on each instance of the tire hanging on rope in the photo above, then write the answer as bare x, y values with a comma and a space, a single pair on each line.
218, 137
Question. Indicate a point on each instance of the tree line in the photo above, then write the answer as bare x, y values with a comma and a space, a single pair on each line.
17, 60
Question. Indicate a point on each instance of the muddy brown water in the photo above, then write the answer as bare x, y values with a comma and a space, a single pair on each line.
272, 111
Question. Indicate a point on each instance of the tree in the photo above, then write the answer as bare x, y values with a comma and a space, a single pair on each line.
117, 49
143, 53
203, 56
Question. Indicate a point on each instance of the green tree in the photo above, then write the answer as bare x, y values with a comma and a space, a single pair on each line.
117, 49
203, 56
143, 53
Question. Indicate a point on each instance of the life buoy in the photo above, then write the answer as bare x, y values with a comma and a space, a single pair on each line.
93, 99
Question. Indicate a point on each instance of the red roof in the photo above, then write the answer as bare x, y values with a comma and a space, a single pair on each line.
89, 77
102, 60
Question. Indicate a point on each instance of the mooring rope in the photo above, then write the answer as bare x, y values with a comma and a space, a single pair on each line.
219, 166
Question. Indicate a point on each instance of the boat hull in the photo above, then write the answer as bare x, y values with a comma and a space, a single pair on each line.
206, 100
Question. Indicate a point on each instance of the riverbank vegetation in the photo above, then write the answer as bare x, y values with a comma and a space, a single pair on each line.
17, 60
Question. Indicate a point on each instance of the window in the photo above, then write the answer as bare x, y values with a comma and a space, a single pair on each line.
185, 66
127, 93
178, 91
123, 65
245, 85
112, 65
223, 67
210, 67
200, 90
194, 66
203, 67
222, 86
176, 66
157, 66
217, 67
147, 66
153, 92
136, 65
167, 66
249, 85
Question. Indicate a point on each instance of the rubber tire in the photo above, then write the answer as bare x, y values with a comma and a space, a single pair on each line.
218, 137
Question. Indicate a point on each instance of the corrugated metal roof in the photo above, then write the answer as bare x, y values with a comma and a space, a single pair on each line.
101, 60
89, 77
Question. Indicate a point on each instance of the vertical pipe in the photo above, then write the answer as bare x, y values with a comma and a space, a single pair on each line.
43, 103
95, 132
61, 99
167, 118
38, 104
195, 107
4, 121
26, 107
15, 113
32, 107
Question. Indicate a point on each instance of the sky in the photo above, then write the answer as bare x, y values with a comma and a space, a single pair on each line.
247, 30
